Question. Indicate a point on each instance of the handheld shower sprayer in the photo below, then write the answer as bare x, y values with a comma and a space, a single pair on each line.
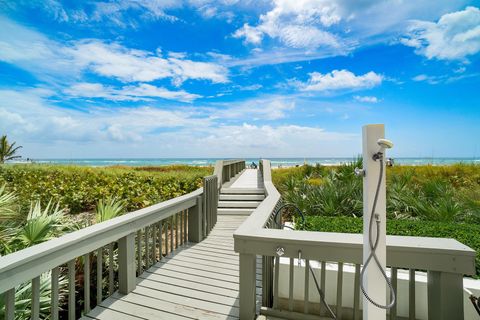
383, 144
375, 218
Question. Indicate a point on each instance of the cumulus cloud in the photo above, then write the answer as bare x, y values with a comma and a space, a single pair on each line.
30, 114
46, 58
297, 25
325, 28
369, 99
46, 130
455, 36
125, 64
141, 92
251, 34
340, 80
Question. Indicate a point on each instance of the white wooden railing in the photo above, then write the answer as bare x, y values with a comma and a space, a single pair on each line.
108, 256
227, 169
445, 260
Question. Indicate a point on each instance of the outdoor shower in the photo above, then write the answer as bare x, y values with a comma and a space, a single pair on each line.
374, 212
373, 244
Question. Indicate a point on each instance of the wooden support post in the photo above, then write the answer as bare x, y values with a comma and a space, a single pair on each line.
126, 264
445, 295
35, 298
247, 286
374, 282
195, 222
9, 302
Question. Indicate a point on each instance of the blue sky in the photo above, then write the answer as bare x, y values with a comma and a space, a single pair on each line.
202, 78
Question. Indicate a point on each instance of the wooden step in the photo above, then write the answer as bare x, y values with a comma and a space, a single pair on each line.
238, 204
242, 197
234, 211
242, 191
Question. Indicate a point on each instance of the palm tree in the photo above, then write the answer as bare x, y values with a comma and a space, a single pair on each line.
7, 150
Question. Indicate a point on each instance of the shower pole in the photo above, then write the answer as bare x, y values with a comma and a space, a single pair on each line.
373, 279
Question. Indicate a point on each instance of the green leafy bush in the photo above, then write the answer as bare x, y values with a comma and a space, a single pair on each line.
79, 188
434, 193
468, 234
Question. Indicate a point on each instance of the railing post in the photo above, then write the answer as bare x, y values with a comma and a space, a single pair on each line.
9, 302
195, 222
126, 264
247, 286
267, 281
445, 295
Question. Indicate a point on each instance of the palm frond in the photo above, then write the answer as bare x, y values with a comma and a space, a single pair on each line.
41, 224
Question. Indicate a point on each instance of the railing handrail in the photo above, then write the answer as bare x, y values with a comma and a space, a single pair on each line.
231, 161
31, 262
437, 254
220, 165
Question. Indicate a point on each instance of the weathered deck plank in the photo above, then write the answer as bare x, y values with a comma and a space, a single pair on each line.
199, 281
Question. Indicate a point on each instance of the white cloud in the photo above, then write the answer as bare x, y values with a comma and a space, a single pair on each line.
340, 80
114, 60
251, 34
153, 9
278, 141
328, 28
29, 114
445, 78
297, 24
455, 36
369, 99
56, 61
48, 131
252, 87
139, 92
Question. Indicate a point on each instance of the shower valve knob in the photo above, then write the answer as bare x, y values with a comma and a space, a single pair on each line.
359, 172
280, 251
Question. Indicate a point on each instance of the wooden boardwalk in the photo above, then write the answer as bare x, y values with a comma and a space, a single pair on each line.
250, 178
199, 281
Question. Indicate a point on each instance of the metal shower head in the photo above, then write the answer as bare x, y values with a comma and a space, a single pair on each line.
385, 144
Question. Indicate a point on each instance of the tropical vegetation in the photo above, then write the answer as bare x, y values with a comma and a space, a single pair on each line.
8, 150
40, 202
433, 193
77, 189
433, 201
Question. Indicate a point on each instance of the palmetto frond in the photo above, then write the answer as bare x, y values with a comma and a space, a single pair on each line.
41, 224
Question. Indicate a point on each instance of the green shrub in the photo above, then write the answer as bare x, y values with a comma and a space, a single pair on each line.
468, 234
79, 188
434, 193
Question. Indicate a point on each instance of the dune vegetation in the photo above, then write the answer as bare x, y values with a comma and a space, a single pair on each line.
431, 201
40, 202
433, 193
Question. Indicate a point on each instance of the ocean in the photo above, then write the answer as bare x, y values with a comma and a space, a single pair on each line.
276, 162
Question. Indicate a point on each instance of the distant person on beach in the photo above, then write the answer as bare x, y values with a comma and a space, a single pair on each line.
253, 165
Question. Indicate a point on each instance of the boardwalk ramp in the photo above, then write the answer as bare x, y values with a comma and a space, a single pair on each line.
200, 280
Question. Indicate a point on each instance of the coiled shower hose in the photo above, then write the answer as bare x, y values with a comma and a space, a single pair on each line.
374, 245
